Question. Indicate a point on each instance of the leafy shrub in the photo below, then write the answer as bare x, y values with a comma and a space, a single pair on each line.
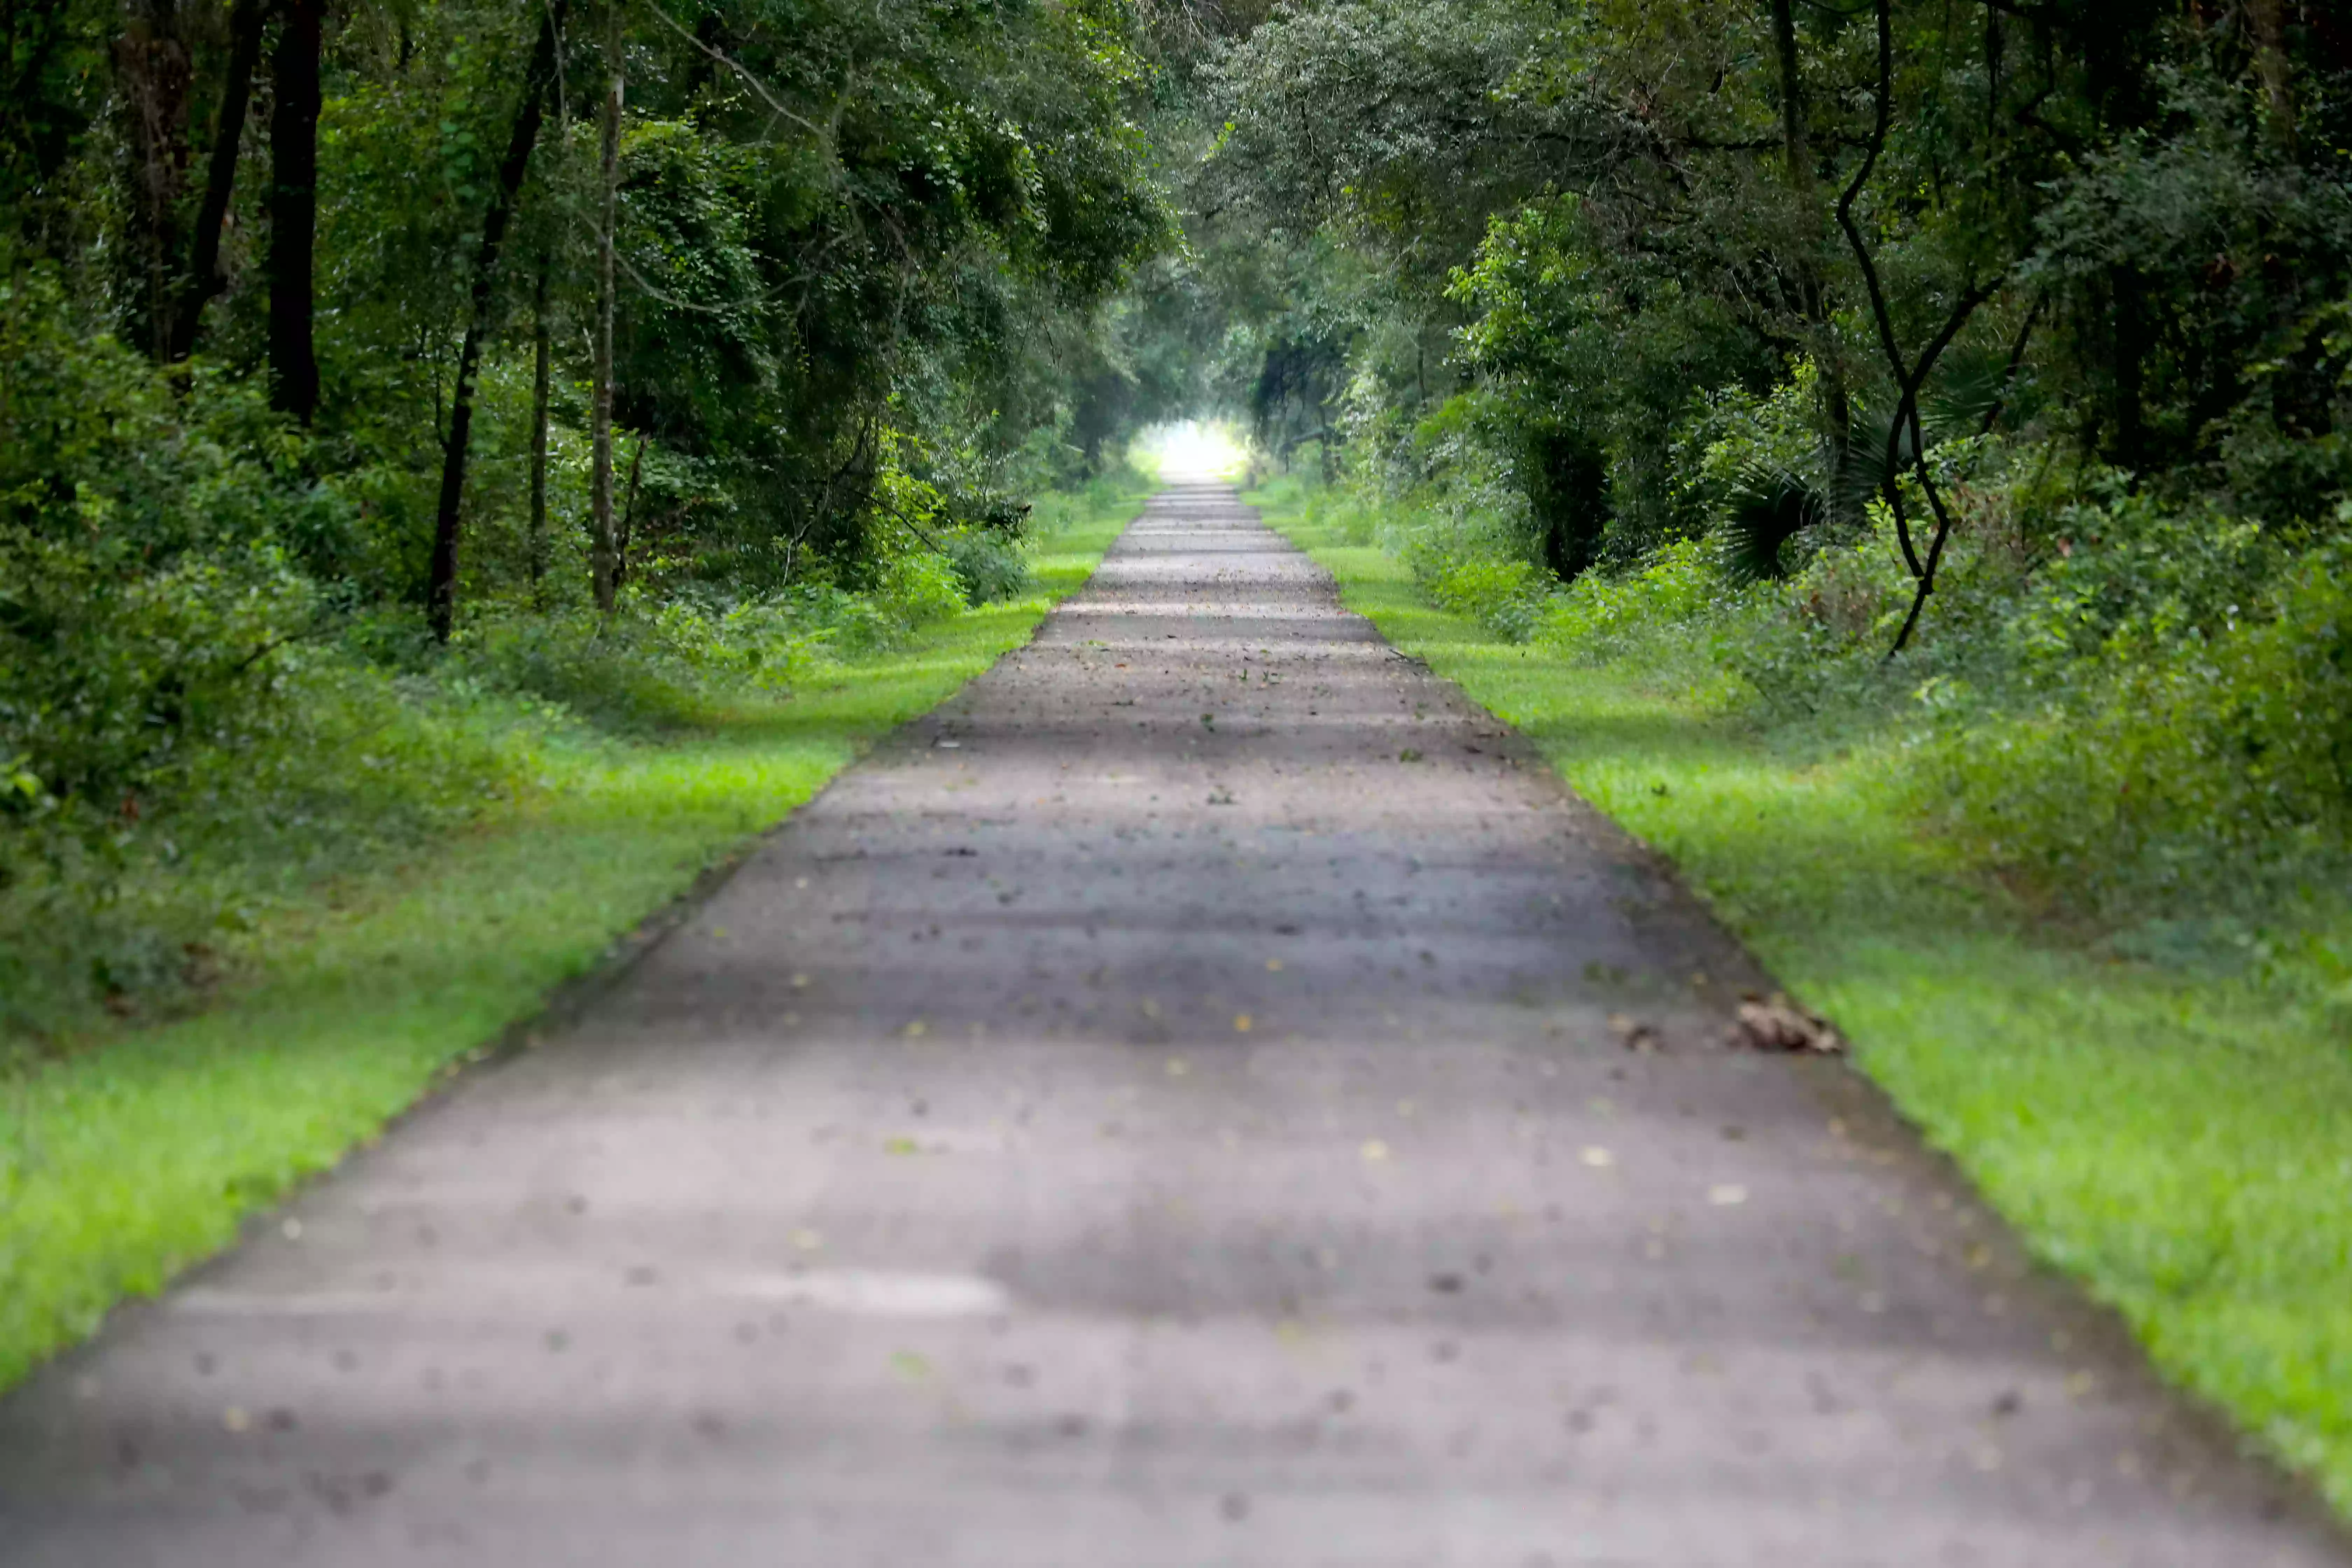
988, 563
342, 764
1477, 564
2130, 566
2212, 771
2141, 708
915, 589
1679, 591
626, 672
665, 665
1505, 592
146, 572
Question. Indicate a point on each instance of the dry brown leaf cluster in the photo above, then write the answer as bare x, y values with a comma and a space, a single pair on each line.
1779, 1024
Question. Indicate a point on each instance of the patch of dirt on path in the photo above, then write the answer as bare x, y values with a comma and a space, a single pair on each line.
1206, 1095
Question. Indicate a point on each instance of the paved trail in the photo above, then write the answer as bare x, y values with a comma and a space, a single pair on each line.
1160, 1109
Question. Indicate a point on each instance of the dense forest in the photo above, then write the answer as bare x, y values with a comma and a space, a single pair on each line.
1981, 370
1977, 375
363, 366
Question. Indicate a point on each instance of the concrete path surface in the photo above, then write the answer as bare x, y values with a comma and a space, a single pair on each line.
1162, 1108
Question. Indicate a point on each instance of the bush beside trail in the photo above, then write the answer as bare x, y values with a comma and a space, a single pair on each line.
2151, 741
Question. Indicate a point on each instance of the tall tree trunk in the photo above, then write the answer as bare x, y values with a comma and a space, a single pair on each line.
151, 64
205, 278
628, 514
541, 353
294, 207
441, 578
1812, 297
604, 555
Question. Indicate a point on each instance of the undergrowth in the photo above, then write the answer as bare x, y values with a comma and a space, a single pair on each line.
2137, 716
130, 895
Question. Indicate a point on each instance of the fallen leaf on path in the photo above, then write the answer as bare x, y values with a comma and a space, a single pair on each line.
902, 1146
1241, 1023
1726, 1195
1779, 1024
1374, 1150
1177, 1066
1599, 1159
1273, 966
1632, 1034
807, 1240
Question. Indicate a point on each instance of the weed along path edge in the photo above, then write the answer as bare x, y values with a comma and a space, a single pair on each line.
1170, 1105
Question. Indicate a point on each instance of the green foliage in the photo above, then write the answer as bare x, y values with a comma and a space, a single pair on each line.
347, 766
2147, 728
988, 564
1670, 611
2181, 774
2029, 356
148, 557
860, 255
370, 744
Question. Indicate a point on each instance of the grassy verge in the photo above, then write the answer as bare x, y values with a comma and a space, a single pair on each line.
2181, 1144
124, 1162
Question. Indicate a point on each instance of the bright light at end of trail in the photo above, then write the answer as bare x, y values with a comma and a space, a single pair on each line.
1193, 450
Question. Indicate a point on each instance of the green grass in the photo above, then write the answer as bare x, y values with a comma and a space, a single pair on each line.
2183, 1144
125, 1163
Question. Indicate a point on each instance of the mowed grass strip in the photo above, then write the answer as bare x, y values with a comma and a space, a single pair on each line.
124, 1163
2181, 1145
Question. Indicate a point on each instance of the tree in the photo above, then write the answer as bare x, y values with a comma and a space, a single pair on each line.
604, 551
154, 74
294, 206
539, 76
204, 280
542, 375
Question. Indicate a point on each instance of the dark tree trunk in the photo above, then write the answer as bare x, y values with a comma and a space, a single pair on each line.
1793, 138
441, 581
628, 518
604, 551
294, 207
205, 278
151, 64
1812, 231
541, 351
